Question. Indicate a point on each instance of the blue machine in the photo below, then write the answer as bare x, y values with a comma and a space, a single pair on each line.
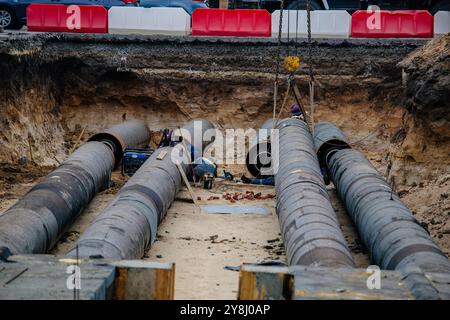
133, 159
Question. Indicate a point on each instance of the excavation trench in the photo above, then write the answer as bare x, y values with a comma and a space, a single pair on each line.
58, 89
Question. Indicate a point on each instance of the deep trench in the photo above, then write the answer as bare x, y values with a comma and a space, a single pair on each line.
55, 87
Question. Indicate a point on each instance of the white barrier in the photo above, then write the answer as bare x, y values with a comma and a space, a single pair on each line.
136, 20
324, 24
441, 23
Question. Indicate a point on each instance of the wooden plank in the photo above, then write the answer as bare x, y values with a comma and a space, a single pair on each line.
299, 282
328, 283
45, 277
142, 280
186, 182
264, 283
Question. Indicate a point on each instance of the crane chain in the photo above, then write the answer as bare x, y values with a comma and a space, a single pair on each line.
311, 74
278, 62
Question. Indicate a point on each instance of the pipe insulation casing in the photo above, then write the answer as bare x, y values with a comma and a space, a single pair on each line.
309, 225
34, 223
390, 232
131, 133
128, 225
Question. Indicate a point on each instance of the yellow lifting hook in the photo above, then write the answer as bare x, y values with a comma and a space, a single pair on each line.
291, 63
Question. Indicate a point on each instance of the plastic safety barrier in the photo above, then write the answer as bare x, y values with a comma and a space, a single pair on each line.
135, 20
324, 24
237, 23
72, 18
392, 24
441, 23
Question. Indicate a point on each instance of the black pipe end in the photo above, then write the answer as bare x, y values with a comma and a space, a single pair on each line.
111, 142
329, 148
254, 167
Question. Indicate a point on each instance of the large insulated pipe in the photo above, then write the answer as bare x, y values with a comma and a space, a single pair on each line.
131, 133
258, 159
34, 223
390, 232
128, 225
309, 225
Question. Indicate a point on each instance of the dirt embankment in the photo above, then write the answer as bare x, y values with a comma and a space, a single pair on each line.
53, 86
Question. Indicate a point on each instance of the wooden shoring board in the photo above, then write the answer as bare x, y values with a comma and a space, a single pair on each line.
45, 277
259, 282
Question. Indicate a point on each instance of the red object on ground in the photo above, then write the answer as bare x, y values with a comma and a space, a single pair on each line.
392, 24
72, 18
236, 23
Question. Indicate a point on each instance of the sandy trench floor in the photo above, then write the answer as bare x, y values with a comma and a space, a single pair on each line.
202, 245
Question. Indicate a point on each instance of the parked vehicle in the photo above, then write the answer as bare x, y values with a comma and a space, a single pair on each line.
13, 12
188, 5
350, 5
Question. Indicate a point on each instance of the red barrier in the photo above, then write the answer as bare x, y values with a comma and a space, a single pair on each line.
392, 24
238, 23
61, 18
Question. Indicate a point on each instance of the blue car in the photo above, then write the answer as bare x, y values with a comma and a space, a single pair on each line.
13, 12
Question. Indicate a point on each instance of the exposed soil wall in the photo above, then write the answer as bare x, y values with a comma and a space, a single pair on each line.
391, 100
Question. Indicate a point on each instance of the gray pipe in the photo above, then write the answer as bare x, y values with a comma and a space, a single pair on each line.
34, 223
309, 225
128, 225
328, 138
131, 133
390, 232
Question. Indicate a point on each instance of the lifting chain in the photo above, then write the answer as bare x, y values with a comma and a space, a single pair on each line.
278, 62
311, 75
291, 64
